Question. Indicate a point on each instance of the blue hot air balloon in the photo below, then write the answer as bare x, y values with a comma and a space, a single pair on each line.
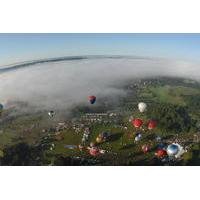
172, 149
104, 135
161, 146
138, 137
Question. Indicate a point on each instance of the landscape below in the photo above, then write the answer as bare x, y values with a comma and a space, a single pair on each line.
40, 138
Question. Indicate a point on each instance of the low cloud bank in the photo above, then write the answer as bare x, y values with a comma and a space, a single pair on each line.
61, 85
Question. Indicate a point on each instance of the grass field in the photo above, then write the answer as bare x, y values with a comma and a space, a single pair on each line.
169, 94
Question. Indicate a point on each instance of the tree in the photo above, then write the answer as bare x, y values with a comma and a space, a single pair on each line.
21, 154
172, 118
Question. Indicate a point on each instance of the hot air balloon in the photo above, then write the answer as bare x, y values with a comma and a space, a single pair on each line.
104, 135
138, 137
99, 140
151, 124
92, 99
145, 148
180, 152
161, 153
161, 146
51, 113
92, 144
137, 123
1, 107
142, 107
94, 151
172, 149
130, 119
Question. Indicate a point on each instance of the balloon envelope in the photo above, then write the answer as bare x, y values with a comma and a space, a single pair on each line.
51, 113
137, 123
160, 153
142, 106
104, 135
151, 124
94, 151
92, 144
1, 106
99, 140
180, 152
92, 99
172, 149
145, 148
138, 135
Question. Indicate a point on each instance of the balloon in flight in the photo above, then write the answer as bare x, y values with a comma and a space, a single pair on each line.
138, 137
1, 107
142, 107
92, 99
51, 113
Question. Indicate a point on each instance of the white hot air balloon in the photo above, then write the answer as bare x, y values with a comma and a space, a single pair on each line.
131, 118
142, 107
173, 150
138, 137
51, 113
180, 152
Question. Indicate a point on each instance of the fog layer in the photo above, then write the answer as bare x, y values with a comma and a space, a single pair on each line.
61, 85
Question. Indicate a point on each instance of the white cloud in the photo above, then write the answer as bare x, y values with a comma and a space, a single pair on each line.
60, 85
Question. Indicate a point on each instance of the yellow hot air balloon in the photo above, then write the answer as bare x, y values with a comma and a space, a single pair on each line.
98, 139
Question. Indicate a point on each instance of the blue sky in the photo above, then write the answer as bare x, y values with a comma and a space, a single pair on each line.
23, 47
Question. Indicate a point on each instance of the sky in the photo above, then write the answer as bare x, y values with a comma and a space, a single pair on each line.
24, 47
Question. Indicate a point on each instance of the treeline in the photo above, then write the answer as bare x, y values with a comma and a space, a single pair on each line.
172, 118
23, 154
193, 103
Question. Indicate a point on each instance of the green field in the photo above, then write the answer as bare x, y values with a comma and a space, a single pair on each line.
170, 94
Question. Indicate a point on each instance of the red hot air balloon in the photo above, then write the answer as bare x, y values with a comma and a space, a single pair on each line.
137, 123
151, 124
160, 153
145, 148
92, 99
